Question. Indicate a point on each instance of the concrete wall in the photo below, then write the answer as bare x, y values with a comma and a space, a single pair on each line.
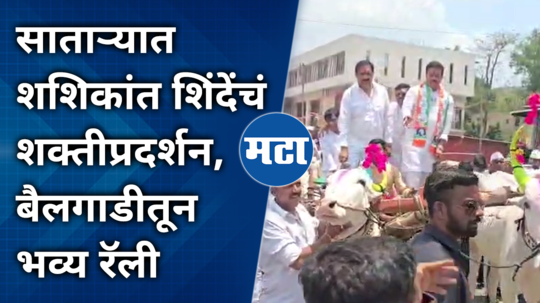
356, 48
464, 148
506, 121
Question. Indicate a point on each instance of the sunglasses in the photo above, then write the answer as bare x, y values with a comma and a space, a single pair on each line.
472, 206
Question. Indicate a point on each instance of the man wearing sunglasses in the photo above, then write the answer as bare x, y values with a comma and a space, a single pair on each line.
453, 200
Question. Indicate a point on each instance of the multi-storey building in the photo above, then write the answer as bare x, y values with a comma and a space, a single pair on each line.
329, 70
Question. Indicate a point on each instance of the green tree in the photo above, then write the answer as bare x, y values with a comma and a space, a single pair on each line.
526, 60
481, 105
472, 129
490, 49
510, 99
494, 132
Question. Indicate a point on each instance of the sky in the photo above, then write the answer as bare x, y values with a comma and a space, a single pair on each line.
439, 23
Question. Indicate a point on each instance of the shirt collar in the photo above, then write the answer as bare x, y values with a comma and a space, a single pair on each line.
452, 246
429, 87
373, 88
272, 204
442, 237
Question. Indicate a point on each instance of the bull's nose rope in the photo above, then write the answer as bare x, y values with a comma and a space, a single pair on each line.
535, 251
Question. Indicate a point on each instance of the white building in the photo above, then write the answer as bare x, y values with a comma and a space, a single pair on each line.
329, 70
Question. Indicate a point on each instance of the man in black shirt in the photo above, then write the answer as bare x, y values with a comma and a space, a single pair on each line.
453, 200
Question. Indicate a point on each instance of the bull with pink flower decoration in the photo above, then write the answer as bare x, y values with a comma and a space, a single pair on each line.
510, 234
363, 200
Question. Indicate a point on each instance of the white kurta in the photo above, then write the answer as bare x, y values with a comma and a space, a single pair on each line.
363, 118
330, 147
397, 135
284, 236
416, 159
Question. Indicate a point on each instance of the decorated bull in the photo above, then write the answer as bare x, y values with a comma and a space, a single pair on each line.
510, 235
346, 202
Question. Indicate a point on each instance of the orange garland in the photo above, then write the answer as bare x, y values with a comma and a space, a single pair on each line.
418, 109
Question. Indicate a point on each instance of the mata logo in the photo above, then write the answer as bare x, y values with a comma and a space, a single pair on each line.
276, 149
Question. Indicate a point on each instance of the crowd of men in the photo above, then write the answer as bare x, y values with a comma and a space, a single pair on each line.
298, 260
415, 126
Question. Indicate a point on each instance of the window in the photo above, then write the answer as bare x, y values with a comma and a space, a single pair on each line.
368, 55
420, 69
315, 109
305, 71
288, 106
311, 73
299, 109
325, 68
386, 62
507, 121
293, 78
465, 75
340, 63
336, 65
322, 68
315, 106
457, 118
332, 66
451, 77
517, 122
403, 61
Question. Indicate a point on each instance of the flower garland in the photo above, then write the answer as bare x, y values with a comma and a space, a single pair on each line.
375, 155
534, 101
530, 119
520, 155
517, 158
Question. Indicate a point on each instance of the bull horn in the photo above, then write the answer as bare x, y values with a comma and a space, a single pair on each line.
517, 169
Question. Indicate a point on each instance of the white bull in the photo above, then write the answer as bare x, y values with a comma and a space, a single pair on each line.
497, 187
501, 241
346, 202
497, 241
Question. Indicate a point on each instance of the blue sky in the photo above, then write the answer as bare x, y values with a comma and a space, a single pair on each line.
487, 16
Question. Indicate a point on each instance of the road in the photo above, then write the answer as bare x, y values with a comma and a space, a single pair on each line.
480, 295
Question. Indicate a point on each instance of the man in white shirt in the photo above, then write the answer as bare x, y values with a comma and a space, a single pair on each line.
534, 159
290, 235
364, 115
428, 110
330, 145
533, 168
496, 162
399, 130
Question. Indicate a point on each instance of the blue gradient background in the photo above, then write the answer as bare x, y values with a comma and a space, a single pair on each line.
211, 260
